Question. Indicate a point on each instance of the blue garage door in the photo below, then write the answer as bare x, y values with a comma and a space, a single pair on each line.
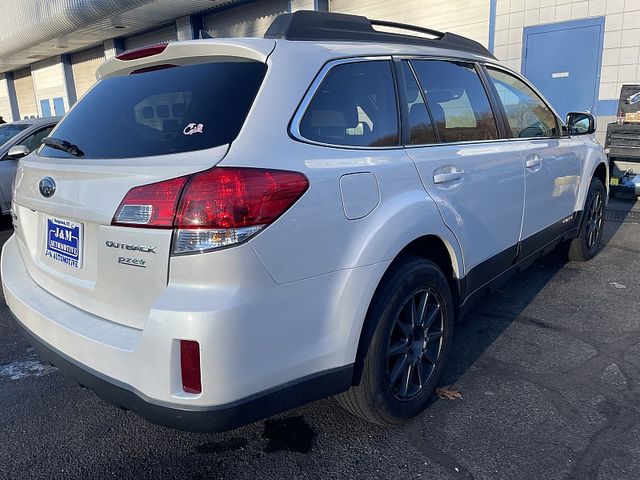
563, 61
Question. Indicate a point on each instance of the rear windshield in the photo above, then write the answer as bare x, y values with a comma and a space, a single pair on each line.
170, 110
7, 132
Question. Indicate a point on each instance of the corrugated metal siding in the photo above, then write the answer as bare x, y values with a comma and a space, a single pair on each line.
84, 65
165, 34
250, 20
24, 93
48, 82
5, 106
464, 17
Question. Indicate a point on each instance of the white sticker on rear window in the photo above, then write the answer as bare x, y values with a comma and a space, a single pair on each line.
193, 128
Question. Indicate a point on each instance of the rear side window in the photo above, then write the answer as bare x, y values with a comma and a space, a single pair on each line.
172, 110
355, 105
457, 100
527, 114
33, 141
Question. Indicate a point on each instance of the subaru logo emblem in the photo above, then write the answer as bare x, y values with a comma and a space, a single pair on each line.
47, 187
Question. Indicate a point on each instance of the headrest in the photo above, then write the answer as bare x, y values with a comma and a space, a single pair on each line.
440, 96
178, 109
333, 106
147, 112
162, 111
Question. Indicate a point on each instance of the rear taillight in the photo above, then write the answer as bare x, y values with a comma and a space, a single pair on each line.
151, 205
214, 208
190, 366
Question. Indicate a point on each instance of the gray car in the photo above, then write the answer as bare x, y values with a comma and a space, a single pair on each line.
18, 139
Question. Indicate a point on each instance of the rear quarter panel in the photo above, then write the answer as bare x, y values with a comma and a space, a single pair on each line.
315, 237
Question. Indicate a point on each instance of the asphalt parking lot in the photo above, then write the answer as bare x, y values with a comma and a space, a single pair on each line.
549, 367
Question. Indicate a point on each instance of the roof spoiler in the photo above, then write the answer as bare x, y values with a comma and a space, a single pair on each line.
323, 26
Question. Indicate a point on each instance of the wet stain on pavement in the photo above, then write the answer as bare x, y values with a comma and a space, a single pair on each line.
291, 434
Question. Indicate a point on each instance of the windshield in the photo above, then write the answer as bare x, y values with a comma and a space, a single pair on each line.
162, 111
7, 132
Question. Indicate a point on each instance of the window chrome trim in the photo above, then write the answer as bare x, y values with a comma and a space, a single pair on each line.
461, 143
294, 125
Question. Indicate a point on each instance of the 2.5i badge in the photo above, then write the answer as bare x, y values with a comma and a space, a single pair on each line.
64, 241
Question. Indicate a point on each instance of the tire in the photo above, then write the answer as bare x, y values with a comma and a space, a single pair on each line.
384, 396
587, 244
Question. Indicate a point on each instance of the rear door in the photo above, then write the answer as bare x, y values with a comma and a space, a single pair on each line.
129, 130
552, 162
475, 177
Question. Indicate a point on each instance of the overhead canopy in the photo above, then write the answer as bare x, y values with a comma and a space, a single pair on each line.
32, 30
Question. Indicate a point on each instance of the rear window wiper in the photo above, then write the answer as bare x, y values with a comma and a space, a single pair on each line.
63, 145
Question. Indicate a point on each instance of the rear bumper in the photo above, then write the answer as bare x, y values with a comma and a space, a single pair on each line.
203, 419
264, 347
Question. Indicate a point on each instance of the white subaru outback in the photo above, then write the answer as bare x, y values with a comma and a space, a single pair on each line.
224, 229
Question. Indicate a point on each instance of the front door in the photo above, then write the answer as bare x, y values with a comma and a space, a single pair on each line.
552, 162
563, 61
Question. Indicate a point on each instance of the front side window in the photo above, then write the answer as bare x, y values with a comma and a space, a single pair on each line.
33, 141
527, 114
162, 111
355, 105
457, 100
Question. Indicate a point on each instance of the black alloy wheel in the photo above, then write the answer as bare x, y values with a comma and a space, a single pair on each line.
415, 343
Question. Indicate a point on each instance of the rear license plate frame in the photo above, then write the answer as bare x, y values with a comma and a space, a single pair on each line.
64, 241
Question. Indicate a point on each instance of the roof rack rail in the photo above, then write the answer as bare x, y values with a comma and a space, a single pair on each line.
325, 26
406, 26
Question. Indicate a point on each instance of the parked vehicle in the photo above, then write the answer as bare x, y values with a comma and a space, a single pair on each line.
253, 224
622, 144
18, 139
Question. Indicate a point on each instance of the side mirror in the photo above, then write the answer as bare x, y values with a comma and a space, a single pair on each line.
17, 151
580, 123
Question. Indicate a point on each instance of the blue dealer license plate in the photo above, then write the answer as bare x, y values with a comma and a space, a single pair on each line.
64, 241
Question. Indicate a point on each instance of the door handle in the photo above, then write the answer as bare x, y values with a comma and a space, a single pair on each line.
447, 176
533, 163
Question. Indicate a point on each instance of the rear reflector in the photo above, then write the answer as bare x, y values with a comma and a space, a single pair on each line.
212, 209
190, 366
142, 52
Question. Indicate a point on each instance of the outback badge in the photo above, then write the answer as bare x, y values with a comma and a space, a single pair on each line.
47, 187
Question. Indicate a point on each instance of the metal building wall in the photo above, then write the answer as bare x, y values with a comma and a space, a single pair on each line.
84, 65
621, 54
250, 20
49, 85
465, 17
164, 34
25, 95
5, 106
